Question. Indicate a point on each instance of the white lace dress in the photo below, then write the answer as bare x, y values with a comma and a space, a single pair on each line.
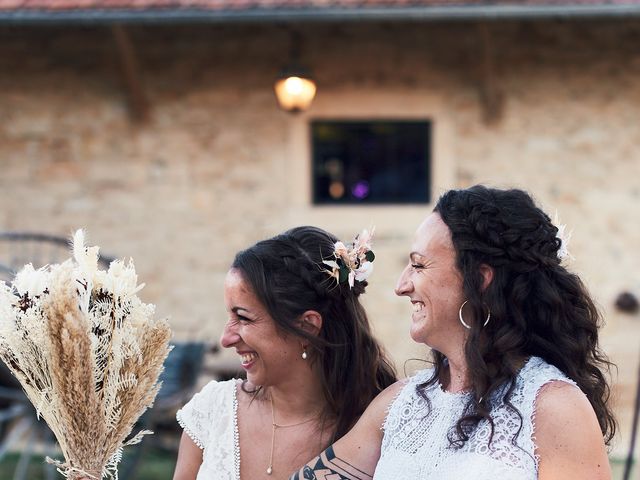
415, 444
210, 419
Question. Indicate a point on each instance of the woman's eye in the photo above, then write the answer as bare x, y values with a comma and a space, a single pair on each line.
416, 266
236, 319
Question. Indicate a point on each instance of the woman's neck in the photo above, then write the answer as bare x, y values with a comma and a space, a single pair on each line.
297, 398
456, 379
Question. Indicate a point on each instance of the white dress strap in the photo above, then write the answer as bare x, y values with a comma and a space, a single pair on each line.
535, 374
210, 420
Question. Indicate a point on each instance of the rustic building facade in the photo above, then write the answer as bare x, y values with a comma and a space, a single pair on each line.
553, 108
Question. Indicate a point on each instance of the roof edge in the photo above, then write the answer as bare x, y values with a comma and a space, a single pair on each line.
332, 14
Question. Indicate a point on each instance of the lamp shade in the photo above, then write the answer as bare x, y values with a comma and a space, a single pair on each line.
295, 92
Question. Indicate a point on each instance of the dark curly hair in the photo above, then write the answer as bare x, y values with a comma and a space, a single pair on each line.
287, 275
538, 308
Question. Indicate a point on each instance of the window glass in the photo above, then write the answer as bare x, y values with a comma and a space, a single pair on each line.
371, 162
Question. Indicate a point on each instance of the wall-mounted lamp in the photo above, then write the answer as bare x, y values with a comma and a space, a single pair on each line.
295, 88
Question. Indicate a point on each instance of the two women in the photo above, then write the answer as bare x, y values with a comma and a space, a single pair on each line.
516, 390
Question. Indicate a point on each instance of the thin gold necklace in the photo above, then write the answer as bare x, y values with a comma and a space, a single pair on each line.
275, 425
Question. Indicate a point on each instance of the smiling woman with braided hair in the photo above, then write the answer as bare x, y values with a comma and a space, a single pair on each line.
517, 390
312, 363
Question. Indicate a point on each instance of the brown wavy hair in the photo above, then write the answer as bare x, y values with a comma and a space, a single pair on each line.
287, 275
538, 308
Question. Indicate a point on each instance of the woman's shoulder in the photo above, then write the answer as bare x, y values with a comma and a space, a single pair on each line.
560, 399
374, 416
533, 377
389, 394
216, 390
208, 410
403, 390
536, 373
211, 399
566, 427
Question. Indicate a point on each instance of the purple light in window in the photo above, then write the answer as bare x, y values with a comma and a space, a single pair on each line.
360, 190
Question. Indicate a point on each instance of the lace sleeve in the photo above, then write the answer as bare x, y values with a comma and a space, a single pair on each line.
199, 415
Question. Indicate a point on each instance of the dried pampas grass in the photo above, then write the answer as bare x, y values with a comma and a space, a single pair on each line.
87, 352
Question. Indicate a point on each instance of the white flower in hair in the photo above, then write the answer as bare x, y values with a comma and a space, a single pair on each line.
565, 237
362, 273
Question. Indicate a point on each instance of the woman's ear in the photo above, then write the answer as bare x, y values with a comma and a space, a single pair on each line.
487, 275
311, 322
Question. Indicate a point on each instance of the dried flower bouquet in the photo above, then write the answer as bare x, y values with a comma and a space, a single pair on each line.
87, 352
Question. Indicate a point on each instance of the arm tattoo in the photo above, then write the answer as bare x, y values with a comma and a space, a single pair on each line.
327, 466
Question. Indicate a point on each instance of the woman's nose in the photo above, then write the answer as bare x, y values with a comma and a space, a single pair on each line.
229, 335
404, 285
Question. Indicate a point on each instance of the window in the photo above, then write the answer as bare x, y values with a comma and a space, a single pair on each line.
371, 162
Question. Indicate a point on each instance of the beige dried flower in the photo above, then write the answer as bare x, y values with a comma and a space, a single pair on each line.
87, 352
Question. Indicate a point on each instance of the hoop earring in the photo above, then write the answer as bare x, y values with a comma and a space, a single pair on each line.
465, 324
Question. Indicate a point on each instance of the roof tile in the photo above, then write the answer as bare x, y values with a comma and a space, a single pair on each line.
98, 5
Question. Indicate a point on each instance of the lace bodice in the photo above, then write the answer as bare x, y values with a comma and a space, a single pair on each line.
210, 419
415, 443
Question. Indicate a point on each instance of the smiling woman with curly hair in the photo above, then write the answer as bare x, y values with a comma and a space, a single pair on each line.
517, 389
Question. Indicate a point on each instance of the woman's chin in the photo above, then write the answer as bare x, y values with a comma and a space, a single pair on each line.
254, 378
417, 334
417, 329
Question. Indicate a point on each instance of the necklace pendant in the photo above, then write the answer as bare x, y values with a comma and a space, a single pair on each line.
269, 470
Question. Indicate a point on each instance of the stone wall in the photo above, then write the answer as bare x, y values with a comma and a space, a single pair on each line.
218, 166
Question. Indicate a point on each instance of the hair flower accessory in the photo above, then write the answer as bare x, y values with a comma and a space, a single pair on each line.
564, 237
352, 262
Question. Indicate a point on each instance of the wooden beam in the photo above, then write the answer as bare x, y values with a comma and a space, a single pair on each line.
136, 99
490, 94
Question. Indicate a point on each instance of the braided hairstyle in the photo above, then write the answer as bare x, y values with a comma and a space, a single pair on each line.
288, 277
537, 307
